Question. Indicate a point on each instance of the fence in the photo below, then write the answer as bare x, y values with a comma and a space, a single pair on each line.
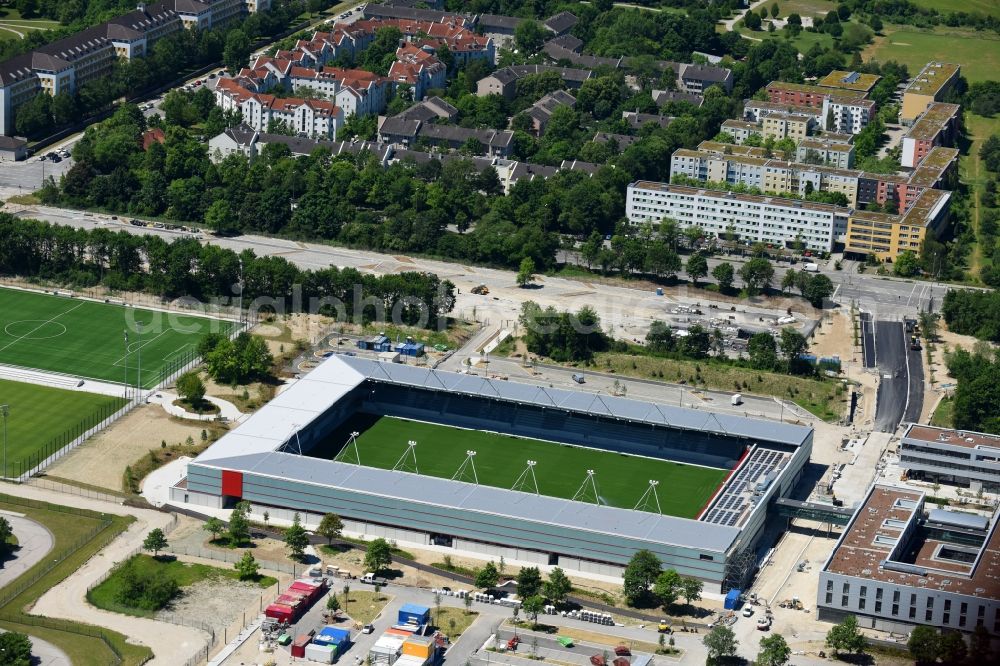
22, 584
42, 482
284, 567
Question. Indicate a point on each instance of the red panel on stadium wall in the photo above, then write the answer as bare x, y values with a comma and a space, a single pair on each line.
232, 483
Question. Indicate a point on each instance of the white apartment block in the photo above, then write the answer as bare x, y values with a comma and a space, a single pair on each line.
315, 119
846, 116
762, 219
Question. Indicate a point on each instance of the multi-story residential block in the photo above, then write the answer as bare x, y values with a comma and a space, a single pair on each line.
740, 130
958, 457
407, 132
464, 43
542, 110
762, 219
561, 23
557, 52
313, 118
853, 81
887, 236
662, 97
794, 126
419, 69
820, 151
66, 64
638, 120
937, 126
841, 110
697, 78
756, 110
898, 565
504, 81
933, 82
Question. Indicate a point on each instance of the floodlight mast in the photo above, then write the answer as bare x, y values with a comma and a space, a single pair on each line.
529, 471
469, 462
589, 483
644, 500
352, 443
411, 449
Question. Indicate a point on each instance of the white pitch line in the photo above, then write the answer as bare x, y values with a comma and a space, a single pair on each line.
115, 364
48, 321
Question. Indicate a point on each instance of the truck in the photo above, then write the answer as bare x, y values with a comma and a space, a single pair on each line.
737, 399
578, 378
811, 268
914, 343
371, 579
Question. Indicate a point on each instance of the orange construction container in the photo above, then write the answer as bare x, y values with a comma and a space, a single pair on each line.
419, 646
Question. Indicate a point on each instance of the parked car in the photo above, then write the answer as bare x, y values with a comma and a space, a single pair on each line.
747, 611
368, 629
56, 158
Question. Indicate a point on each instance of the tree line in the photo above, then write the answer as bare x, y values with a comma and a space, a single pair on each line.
977, 394
975, 313
126, 262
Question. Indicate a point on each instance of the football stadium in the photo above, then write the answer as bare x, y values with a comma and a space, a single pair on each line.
493, 468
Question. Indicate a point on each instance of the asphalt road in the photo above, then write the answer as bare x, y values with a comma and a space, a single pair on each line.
868, 340
893, 389
915, 399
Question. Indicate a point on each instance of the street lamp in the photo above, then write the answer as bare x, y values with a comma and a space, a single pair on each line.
4, 412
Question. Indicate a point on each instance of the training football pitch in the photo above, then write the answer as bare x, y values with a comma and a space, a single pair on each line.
41, 420
500, 459
87, 339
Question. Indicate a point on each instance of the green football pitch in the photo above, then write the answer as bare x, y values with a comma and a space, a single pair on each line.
87, 338
500, 459
41, 420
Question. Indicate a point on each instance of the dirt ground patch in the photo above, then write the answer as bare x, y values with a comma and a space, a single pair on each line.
834, 337
214, 603
101, 460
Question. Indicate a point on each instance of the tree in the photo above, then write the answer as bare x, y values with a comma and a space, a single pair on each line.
923, 644
721, 642
16, 649
845, 637
220, 217
239, 524
525, 274
775, 10
953, 649
752, 21
214, 527
296, 537
529, 582
817, 289
980, 645
697, 267
875, 22
155, 541
774, 651
723, 274
5, 534
532, 607
237, 50
191, 388
642, 570
330, 527
789, 280
792, 344
762, 350
558, 586
247, 567
907, 264
378, 556
929, 324
667, 587
487, 577
332, 603
529, 36
756, 274
691, 589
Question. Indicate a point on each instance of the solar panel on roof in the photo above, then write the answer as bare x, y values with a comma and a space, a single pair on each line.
852, 77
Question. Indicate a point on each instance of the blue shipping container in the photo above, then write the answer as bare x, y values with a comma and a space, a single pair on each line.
414, 614
732, 599
333, 636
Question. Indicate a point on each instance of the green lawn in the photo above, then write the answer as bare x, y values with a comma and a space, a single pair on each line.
988, 7
42, 419
146, 566
87, 338
500, 459
944, 413
78, 537
977, 52
800, 7
973, 174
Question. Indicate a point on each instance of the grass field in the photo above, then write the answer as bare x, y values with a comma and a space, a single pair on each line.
500, 459
40, 417
86, 338
974, 175
988, 7
147, 567
978, 53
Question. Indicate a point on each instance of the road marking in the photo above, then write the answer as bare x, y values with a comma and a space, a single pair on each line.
47, 321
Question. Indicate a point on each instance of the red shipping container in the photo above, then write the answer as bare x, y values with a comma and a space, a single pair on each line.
280, 612
299, 646
310, 591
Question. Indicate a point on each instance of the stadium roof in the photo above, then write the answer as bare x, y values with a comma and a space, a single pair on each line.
312, 395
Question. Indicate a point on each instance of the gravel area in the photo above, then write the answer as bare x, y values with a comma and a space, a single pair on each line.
215, 603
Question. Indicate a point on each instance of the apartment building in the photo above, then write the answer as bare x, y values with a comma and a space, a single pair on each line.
887, 236
958, 457
900, 564
312, 118
851, 81
406, 132
66, 64
419, 69
756, 110
933, 82
794, 126
840, 110
937, 126
542, 110
355, 91
504, 81
820, 151
764, 219
740, 130
462, 41
697, 78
